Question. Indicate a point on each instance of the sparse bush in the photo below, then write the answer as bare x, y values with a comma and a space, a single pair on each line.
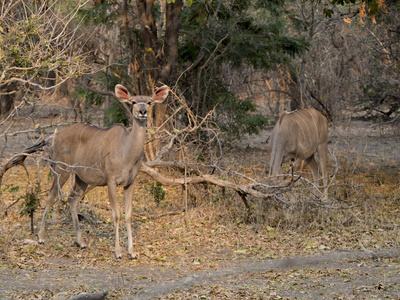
31, 203
157, 191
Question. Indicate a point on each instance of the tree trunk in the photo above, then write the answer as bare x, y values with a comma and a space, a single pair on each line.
7, 96
148, 29
170, 66
170, 63
173, 24
6, 104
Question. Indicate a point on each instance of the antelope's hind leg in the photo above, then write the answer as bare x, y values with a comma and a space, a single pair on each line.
77, 194
323, 162
58, 183
312, 164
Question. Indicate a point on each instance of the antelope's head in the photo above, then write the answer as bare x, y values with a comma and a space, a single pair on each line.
141, 104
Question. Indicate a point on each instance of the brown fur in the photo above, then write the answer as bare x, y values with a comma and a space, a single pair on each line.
99, 157
300, 135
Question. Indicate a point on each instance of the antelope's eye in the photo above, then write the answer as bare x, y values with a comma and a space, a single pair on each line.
149, 103
134, 102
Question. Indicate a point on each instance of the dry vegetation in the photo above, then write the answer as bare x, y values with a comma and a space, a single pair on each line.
215, 229
200, 229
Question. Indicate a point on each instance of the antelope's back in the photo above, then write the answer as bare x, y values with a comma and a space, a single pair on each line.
84, 144
303, 130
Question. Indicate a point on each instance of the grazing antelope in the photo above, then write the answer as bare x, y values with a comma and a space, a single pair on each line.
299, 135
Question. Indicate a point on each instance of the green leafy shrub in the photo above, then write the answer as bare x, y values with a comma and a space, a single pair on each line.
115, 113
31, 202
156, 189
238, 116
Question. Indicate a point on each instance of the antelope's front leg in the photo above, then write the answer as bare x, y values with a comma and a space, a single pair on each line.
128, 198
112, 193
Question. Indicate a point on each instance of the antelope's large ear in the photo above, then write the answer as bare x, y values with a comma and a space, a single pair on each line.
122, 93
161, 94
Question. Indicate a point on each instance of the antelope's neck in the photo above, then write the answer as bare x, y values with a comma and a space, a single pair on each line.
135, 144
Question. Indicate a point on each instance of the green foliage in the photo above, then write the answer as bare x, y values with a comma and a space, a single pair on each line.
378, 95
16, 44
33, 42
272, 6
241, 33
115, 114
31, 202
213, 34
104, 12
11, 188
250, 34
156, 189
91, 98
369, 7
237, 116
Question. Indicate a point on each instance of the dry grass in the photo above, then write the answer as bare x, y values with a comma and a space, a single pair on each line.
214, 232
214, 229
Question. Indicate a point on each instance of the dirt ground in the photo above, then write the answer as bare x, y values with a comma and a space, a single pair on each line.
223, 271
335, 275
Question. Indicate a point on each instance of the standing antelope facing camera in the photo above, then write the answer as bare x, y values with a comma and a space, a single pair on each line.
102, 157
299, 135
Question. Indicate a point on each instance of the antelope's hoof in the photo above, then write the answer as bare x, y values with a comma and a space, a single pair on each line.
133, 256
82, 246
40, 239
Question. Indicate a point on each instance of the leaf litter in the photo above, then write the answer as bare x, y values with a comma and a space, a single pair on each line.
210, 236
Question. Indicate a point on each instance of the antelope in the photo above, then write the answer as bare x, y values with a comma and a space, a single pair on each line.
299, 135
102, 157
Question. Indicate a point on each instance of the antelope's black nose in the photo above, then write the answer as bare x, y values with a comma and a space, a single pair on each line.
143, 112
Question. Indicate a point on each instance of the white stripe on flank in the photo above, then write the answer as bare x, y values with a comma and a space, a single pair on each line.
91, 142
299, 125
315, 123
80, 139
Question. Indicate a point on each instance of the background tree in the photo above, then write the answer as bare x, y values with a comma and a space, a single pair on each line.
189, 45
379, 81
37, 45
347, 51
